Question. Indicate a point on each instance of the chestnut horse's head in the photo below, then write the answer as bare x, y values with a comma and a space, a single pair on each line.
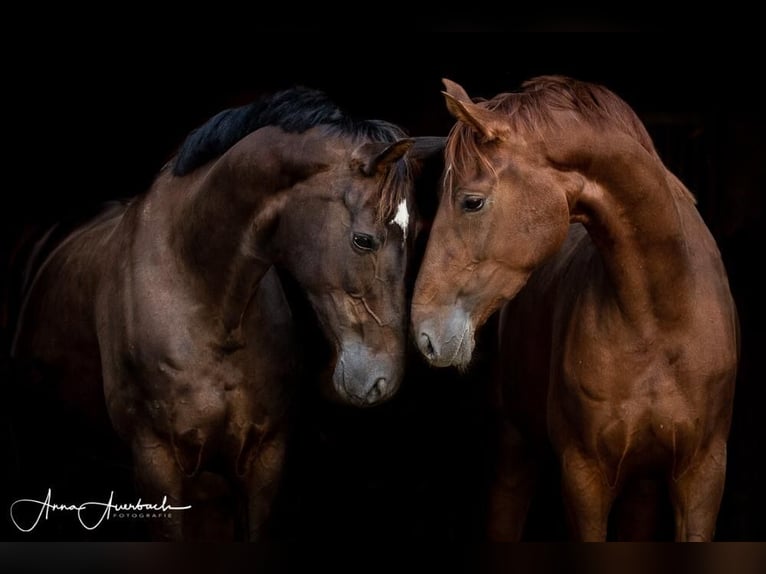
503, 211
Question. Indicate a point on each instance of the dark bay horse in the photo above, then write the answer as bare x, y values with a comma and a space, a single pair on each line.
618, 334
172, 314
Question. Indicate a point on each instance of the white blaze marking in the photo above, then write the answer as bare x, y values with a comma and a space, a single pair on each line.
402, 217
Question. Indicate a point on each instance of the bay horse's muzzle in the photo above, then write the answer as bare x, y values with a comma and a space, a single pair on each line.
365, 378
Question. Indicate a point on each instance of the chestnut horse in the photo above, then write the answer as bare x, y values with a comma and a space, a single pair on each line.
618, 334
173, 313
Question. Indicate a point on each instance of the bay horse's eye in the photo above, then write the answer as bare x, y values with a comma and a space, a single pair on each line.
472, 203
364, 242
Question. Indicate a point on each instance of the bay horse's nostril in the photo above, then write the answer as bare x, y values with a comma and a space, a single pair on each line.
377, 390
426, 346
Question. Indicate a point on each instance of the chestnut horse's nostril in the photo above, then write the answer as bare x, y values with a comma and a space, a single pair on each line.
426, 346
377, 390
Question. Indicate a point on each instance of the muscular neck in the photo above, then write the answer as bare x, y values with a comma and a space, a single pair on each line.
632, 212
222, 237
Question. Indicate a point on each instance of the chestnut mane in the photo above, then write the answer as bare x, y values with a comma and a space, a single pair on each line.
538, 106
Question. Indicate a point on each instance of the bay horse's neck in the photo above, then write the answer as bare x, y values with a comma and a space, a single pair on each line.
634, 210
222, 233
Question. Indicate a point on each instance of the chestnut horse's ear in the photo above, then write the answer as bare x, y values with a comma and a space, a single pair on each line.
374, 157
489, 124
456, 90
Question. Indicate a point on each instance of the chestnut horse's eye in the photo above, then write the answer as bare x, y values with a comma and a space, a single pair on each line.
364, 242
472, 203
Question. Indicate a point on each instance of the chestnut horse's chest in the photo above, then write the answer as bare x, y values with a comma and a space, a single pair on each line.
633, 399
577, 372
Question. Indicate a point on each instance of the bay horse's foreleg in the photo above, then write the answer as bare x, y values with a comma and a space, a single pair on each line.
158, 475
261, 480
512, 488
587, 495
696, 494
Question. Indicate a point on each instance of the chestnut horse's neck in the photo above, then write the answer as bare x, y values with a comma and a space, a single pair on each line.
638, 216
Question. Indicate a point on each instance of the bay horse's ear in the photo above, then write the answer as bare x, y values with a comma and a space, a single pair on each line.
426, 146
375, 157
489, 124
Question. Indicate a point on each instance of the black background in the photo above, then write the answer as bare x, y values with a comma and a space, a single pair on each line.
93, 111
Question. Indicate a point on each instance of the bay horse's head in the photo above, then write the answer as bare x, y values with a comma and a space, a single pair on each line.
333, 211
503, 210
346, 237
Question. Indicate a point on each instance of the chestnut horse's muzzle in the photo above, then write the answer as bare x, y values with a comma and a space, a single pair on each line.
444, 336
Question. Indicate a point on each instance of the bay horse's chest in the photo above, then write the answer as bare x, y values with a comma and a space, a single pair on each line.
175, 383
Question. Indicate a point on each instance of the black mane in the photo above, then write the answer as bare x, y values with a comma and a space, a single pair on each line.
294, 110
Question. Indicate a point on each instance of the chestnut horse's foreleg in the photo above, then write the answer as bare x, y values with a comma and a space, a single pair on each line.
512, 488
587, 495
696, 494
638, 512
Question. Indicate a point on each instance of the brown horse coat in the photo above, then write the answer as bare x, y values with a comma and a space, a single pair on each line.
169, 316
618, 334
